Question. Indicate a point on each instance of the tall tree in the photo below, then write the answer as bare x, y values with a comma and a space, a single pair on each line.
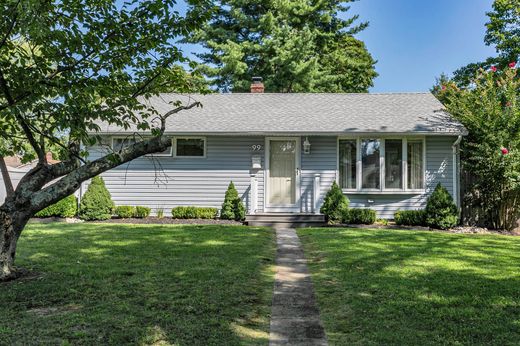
66, 66
295, 45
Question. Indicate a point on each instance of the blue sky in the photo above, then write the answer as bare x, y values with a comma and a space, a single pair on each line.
415, 41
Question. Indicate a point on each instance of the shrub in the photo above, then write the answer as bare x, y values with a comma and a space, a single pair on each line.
142, 212
67, 207
97, 203
440, 210
232, 208
410, 217
160, 213
335, 204
125, 211
359, 216
194, 213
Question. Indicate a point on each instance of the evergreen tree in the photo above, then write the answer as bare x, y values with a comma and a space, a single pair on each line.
295, 45
233, 207
97, 202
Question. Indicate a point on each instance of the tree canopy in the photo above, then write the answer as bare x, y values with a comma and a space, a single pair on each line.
67, 66
295, 46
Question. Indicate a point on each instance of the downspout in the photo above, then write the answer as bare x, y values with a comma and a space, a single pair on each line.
456, 170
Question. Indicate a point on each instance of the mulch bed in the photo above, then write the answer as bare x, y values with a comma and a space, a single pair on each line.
458, 230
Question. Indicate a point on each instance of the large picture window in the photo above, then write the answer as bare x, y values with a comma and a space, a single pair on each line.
393, 164
415, 165
370, 163
190, 147
347, 163
379, 164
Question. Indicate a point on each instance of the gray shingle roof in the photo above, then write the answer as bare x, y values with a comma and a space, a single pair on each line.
305, 114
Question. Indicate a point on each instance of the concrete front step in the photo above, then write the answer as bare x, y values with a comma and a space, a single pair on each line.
284, 220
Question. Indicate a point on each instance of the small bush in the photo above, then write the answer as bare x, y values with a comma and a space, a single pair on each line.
441, 212
67, 207
97, 203
410, 217
194, 213
142, 212
383, 222
335, 204
359, 216
125, 211
232, 208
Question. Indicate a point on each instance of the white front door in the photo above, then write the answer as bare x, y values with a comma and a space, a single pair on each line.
283, 168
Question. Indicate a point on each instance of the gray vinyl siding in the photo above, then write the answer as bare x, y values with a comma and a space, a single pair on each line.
439, 169
167, 182
321, 160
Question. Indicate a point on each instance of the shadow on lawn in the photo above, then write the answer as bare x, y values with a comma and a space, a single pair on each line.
141, 285
397, 287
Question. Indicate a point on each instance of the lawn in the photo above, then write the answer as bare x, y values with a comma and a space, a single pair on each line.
140, 284
415, 287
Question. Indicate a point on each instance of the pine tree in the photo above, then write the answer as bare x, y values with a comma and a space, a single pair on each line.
294, 45
228, 207
335, 204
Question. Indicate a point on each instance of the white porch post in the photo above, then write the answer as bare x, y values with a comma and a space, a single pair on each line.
316, 194
253, 206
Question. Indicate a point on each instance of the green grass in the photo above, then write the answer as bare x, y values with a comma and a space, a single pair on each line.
415, 287
140, 284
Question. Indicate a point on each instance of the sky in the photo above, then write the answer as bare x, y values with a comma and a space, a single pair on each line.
414, 41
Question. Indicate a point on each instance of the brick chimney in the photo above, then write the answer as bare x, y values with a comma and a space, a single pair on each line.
257, 87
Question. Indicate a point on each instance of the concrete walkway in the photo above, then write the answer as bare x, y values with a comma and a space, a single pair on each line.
295, 318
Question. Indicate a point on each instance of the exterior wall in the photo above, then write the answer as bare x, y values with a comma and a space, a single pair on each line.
439, 169
16, 175
166, 182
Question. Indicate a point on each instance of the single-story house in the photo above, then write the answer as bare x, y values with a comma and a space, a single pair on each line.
387, 152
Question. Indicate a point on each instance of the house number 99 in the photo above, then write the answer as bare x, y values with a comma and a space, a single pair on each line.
256, 147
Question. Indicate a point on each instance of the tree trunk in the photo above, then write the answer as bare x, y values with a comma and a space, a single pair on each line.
11, 226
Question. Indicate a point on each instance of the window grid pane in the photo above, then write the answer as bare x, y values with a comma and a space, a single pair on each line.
189, 147
347, 164
393, 163
415, 165
370, 162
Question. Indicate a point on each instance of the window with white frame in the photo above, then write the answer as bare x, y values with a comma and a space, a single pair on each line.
377, 164
120, 142
190, 146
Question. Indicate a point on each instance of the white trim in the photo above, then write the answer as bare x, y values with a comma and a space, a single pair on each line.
296, 207
144, 138
359, 165
174, 147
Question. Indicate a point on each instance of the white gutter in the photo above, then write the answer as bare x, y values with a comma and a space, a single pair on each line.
456, 170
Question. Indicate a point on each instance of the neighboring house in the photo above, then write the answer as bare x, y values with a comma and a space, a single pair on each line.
17, 170
283, 151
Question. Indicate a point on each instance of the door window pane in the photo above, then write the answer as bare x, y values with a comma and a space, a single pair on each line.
415, 165
393, 163
370, 170
347, 164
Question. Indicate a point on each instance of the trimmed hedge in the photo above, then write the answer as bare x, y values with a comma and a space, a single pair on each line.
194, 213
142, 212
67, 207
410, 217
357, 216
97, 203
125, 211
441, 211
335, 205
